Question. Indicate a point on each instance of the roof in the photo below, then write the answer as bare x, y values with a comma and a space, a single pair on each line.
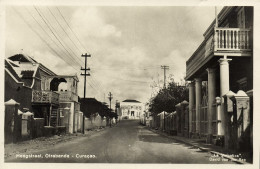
129, 100
26, 67
89, 99
22, 58
27, 63
75, 76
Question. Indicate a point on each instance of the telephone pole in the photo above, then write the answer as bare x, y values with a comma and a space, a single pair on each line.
164, 67
110, 97
85, 74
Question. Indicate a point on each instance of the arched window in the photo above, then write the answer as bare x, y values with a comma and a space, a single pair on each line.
55, 84
63, 86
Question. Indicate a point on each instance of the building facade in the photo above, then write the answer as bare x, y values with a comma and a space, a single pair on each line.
220, 73
41, 91
131, 109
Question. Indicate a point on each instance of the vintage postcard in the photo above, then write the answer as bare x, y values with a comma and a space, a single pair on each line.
119, 85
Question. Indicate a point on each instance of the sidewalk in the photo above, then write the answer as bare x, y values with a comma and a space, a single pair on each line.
41, 143
240, 158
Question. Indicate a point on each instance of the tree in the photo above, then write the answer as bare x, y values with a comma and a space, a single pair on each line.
90, 106
168, 97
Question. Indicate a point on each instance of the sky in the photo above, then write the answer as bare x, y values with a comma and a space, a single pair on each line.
128, 44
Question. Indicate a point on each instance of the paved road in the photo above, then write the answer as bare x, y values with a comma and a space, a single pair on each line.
128, 142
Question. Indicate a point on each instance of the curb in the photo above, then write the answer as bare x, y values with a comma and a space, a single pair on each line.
202, 148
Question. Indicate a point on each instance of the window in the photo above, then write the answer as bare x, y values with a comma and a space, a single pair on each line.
241, 18
242, 84
43, 83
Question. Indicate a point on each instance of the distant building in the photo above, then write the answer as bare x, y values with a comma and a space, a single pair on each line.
131, 109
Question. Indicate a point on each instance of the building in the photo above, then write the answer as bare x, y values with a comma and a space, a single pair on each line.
220, 73
131, 109
41, 91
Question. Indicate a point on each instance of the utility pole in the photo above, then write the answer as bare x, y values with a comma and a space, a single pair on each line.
164, 67
85, 74
116, 110
110, 97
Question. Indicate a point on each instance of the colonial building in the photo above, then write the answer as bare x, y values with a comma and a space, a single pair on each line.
41, 91
220, 72
131, 109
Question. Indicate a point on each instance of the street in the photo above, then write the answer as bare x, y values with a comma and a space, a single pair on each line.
127, 142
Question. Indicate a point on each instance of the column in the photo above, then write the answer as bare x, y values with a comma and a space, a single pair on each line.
12, 120
66, 119
191, 104
242, 128
224, 75
198, 103
224, 88
211, 98
50, 115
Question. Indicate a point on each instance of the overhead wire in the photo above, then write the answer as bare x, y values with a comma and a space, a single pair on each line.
91, 84
64, 32
71, 29
64, 54
97, 84
43, 39
53, 31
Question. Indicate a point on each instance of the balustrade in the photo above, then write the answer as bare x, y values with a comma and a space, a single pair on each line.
41, 96
231, 39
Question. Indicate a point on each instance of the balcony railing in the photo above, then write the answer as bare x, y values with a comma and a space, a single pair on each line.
231, 39
68, 96
42, 96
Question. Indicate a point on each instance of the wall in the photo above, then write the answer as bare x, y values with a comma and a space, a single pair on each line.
17, 92
126, 107
93, 123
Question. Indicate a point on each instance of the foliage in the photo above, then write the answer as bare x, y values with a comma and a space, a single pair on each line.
90, 106
168, 97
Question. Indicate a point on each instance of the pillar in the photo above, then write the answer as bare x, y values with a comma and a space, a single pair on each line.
228, 111
211, 99
241, 121
12, 126
198, 85
66, 118
224, 88
191, 104
224, 75
49, 123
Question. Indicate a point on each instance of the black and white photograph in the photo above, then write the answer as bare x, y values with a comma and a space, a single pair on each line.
128, 84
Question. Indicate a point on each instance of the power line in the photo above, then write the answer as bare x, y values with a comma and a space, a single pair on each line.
27, 23
48, 36
71, 29
64, 31
43, 39
51, 29
128, 68
73, 54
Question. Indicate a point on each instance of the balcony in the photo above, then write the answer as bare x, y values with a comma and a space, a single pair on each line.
230, 41
47, 97
67, 96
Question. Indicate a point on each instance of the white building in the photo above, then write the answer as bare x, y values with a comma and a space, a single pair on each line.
131, 109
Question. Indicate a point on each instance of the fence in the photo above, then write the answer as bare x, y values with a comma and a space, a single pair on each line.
95, 122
